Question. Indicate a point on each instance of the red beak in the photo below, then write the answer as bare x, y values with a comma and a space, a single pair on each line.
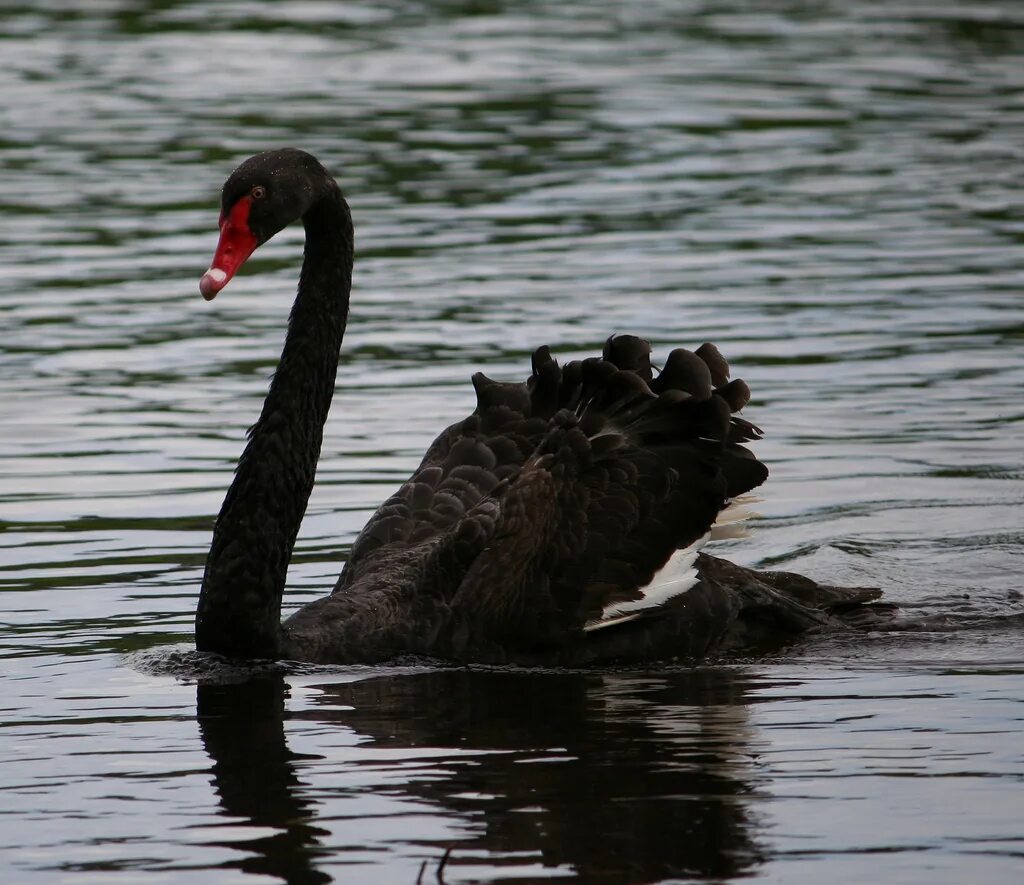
236, 244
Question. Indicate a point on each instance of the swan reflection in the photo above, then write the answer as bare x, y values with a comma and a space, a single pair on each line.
610, 777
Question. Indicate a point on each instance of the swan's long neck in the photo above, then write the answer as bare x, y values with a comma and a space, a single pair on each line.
239, 612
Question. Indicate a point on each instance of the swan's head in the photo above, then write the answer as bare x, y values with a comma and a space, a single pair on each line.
264, 195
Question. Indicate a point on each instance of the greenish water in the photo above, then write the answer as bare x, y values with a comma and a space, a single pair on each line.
830, 191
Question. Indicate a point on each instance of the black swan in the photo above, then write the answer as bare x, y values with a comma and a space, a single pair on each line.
559, 524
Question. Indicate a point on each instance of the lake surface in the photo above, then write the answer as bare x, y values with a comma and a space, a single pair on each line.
830, 191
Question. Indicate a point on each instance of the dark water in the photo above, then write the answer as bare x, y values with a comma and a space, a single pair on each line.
831, 191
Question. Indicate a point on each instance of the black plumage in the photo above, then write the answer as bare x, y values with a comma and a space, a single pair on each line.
525, 526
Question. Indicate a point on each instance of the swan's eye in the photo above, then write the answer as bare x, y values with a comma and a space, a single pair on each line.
258, 192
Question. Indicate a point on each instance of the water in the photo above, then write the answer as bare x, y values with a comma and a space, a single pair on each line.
828, 191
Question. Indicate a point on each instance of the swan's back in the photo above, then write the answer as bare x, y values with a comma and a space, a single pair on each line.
542, 519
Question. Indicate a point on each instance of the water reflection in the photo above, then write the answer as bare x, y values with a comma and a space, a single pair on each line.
614, 777
242, 729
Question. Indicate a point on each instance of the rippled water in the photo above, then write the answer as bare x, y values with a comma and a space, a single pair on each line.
830, 191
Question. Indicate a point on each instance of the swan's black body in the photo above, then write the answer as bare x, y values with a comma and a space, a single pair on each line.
556, 499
